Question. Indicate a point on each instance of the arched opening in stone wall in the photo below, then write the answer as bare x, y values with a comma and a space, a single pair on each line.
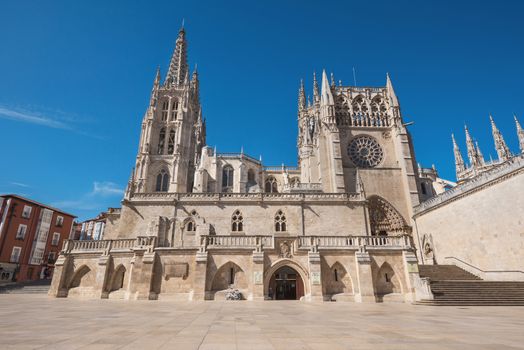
285, 284
80, 277
385, 280
335, 280
384, 218
117, 279
229, 275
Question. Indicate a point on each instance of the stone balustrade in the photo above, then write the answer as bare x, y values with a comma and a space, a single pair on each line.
108, 245
353, 242
249, 197
226, 242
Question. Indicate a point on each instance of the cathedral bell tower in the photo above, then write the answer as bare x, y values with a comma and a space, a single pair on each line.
173, 131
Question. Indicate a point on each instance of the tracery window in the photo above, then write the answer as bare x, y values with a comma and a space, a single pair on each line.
237, 222
171, 142
271, 185
162, 181
174, 110
161, 140
365, 152
280, 221
227, 178
165, 107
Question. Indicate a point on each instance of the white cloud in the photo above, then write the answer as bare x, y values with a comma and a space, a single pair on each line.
96, 199
19, 184
31, 117
106, 189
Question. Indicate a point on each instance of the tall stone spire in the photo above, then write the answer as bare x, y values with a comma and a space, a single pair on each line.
316, 95
459, 162
301, 96
473, 156
520, 134
391, 92
479, 154
178, 66
502, 149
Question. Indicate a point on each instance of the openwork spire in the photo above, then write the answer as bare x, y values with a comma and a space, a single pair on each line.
178, 69
327, 97
520, 134
459, 162
301, 96
502, 149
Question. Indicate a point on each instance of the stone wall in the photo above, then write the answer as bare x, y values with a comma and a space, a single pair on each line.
478, 225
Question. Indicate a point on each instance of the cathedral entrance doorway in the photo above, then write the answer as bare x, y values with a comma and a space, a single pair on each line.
286, 284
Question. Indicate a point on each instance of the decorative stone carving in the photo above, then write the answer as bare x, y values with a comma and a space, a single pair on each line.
285, 250
365, 152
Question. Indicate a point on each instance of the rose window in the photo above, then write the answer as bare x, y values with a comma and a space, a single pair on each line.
365, 152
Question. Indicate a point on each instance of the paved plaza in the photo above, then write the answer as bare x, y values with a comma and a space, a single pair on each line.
39, 322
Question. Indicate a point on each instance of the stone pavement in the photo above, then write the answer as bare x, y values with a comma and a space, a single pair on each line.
40, 322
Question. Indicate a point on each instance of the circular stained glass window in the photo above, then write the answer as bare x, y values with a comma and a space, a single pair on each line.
365, 152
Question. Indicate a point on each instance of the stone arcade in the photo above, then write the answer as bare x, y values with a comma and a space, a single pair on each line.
195, 223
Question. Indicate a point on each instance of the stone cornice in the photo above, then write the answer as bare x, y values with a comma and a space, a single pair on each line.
511, 168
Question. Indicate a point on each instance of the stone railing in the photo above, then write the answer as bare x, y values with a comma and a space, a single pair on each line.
303, 187
226, 242
281, 168
108, 245
273, 197
480, 181
354, 242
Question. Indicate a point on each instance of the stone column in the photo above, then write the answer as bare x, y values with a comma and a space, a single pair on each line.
257, 284
61, 276
200, 276
364, 278
141, 274
315, 277
102, 276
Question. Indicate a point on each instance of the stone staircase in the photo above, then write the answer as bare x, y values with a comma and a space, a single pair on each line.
30, 287
452, 285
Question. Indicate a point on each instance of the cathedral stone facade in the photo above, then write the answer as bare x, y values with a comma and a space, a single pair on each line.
196, 224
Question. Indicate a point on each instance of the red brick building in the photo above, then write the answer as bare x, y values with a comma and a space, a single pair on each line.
31, 236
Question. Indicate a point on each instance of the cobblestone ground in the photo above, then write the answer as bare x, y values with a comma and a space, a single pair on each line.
40, 322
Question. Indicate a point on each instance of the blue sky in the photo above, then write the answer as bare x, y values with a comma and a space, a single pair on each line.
75, 78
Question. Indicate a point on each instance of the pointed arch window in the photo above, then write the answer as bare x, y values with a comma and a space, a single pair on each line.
174, 110
237, 222
162, 181
165, 107
227, 178
280, 221
161, 140
271, 185
171, 142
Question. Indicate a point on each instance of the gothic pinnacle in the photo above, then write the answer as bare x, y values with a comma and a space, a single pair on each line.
502, 149
332, 80
327, 96
391, 91
301, 96
316, 95
473, 156
520, 133
459, 161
